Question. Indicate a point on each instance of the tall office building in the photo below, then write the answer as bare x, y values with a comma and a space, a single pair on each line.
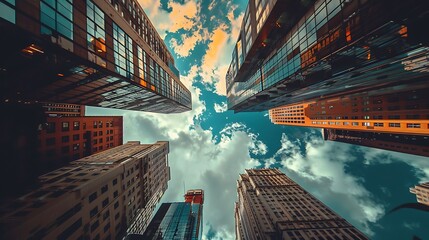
69, 138
96, 197
393, 118
422, 193
401, 110
177, 220
272, 206
102, 53
295, 51
405, 143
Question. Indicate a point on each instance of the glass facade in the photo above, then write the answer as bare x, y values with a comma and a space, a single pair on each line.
179, 220
146, 68
96, 36
331, 37
57, 16
7, 10
123, 52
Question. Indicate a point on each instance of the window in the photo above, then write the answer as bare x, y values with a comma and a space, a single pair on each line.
93, 212
105, 202
76, 147
123, 52
76, 126
65, 126
394, 125
95, 124
115, 194
7, 12
378, 124
95, 27
92, 197
115, 181
50, 128
75, 137
65, 139
107, 227
95, 225
71, 229
104, 189
413, 125
57, 16
70, 213
116, 205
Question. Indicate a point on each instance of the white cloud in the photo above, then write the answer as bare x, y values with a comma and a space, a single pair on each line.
198, 159
321, 167
411, 225
220, 108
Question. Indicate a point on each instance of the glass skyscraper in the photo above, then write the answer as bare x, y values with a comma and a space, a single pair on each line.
293, 51
103, 53
178, 220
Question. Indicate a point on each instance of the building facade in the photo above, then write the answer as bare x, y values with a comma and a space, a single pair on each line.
422, 193
177, 220
272, 206
64, 139
405, 143
401, 109
96, 197
294, 51
102, 53
63, 110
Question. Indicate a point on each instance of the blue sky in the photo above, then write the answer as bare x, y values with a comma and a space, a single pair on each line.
210, 146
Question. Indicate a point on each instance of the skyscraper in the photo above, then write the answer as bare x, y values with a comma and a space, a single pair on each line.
272, 206
401, 110
102, 53
96, 197
422, 193
405, 143
295, 51
393, 118
177, 220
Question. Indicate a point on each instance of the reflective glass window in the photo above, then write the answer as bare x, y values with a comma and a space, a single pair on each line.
57, 16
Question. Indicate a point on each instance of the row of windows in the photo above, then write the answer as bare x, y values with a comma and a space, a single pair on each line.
65, 126
393, 125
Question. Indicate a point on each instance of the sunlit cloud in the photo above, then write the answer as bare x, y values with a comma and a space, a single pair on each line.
220, 108
322, 165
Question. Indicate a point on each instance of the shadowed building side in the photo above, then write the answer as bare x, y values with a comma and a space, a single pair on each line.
88, 52
96, 197
272, 206
294, 51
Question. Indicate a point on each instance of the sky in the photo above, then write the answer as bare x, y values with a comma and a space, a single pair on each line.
210, 146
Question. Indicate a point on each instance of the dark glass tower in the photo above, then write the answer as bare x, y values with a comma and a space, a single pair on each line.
294, 51
103, 53
178, 220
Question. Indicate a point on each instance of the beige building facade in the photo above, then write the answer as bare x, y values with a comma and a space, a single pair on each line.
422, 193
272, 206
96, 197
